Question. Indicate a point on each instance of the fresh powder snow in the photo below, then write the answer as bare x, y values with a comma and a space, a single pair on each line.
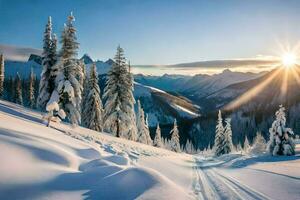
62, 162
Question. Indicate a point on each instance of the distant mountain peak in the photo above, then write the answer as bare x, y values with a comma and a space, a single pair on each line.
226, 71
109, 61
87, 59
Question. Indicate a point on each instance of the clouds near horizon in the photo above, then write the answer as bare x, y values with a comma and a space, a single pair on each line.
18, 53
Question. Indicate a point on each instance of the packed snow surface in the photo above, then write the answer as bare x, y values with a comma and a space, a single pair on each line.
62, 162
149, 87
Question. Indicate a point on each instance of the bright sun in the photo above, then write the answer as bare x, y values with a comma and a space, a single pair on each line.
288, 59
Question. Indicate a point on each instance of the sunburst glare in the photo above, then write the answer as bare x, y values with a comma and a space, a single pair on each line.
288, 59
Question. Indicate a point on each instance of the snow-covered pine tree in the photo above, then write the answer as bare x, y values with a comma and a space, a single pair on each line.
246, 146
18, 90
10, 89
49, 58
281, 142
68, 72
83, 75
259, 145
219, 138
85, 90
92, 116
167, 143
209, 149
142, 127
1, 75
228, 146
189, 147
175, 146
119, 116
157, 142
31, 91
239, 148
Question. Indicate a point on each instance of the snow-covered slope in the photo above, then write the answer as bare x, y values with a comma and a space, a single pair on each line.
163, 107
62, 162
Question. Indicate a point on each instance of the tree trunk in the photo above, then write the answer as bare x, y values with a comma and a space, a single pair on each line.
118, 128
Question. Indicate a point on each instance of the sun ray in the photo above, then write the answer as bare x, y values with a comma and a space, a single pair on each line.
284, 83
295, 73
247, 96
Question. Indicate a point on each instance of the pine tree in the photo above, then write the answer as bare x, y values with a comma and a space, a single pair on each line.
18, 90
142, 127
10, 89
219, 138
167, 144
157, 142
228, 146
85, 90
209, 149
280, 142
239, 148
83, 76
247, 146
175, 146
1, 75
31, 97
259, 144
119, 116
92, 116
68, 75
49, 58
189, 147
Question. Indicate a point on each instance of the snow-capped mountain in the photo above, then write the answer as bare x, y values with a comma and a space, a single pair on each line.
266, 91
197, 86
87, 59
200, 86
102, 67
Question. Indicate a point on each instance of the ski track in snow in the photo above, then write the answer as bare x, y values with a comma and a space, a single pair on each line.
209, 183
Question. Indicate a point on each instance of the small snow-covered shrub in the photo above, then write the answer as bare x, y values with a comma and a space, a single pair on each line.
259, 145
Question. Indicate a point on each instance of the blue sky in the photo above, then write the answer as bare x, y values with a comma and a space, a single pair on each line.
159, 31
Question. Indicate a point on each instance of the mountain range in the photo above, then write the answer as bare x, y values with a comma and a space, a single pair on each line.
160, 106
198, 86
